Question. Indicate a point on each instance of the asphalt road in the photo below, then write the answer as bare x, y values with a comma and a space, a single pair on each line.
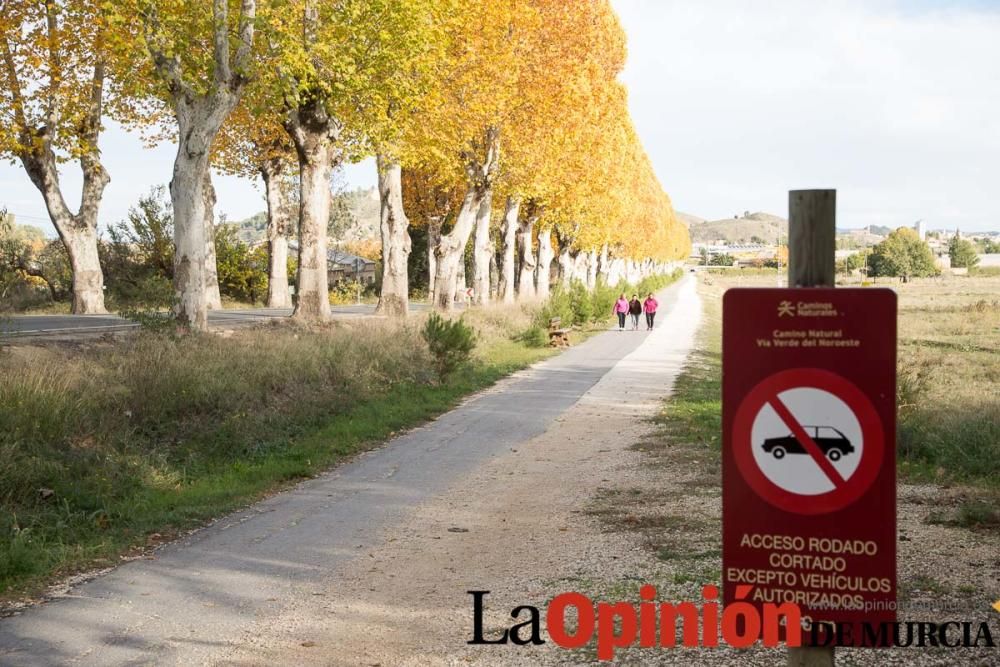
70, 326
192, 602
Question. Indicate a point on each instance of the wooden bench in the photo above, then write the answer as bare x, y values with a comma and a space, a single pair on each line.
558, 337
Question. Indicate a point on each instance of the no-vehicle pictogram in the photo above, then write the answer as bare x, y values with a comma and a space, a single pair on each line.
808, 441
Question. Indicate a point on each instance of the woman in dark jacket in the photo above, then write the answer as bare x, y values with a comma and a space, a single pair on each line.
635, 310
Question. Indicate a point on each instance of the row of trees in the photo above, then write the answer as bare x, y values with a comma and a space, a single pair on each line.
902, 254
136, 259
488, 120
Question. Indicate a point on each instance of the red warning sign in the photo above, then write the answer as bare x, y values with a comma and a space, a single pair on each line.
808, 441
809, 451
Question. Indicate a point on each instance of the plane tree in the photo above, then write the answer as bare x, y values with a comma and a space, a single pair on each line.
193, 62
53, 70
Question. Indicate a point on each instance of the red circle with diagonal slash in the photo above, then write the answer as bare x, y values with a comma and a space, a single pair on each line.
846, 491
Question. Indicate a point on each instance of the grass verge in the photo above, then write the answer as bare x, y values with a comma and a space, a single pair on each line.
109, 449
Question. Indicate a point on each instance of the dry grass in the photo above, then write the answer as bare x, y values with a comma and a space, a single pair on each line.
105, 444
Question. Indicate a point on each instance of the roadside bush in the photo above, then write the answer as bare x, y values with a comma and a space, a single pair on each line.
242, 270
451, 343
582, 303
151, 321
603, 299
138, 255
534, 336
559, 304
346, 292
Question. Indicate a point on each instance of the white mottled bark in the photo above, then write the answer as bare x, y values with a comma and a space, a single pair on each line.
494, 272
78, 231
313, 132
433, 241
277, 240
199, 115
603, 268
213, 298
482, 250
451, 249
394, 299
507, 267
617, 271
480, 171
188, 198
566, 266
592, 269
580, 267
526, 280
545, 256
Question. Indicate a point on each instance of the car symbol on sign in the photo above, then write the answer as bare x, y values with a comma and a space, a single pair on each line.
832, 442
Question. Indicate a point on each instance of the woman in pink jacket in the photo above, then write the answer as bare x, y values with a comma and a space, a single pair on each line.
620, 309
650, 305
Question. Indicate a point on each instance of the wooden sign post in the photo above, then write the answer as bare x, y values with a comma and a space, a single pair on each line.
808, 466
812, 246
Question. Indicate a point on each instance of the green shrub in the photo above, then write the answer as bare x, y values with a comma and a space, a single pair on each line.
153, 321
581, 303
559, 304
603, 299
451, 343
534, 336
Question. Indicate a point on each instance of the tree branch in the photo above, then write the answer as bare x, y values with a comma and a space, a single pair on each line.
220, 40
53, 99
168, 67
15, 88
248, 14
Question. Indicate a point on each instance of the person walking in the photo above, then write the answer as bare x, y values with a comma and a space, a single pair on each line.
635, 309
621, 307
650, 305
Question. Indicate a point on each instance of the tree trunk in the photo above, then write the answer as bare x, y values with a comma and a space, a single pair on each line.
480, 171
580, 267
277, 240
526, 281
617, 271
200, 115
88, 280
78, 231
481, 252
433, 241
603, 268
199, 120
213, 298
565, 266
461, 285
451, 250
494, 272
592, 269
545, 256
394, 299
313, 132
509, 229
191, 307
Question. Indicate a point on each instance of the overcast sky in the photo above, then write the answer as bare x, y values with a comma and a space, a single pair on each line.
894, 104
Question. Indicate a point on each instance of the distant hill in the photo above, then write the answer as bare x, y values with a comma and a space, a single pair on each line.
354, 216
761, 226
688, 219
